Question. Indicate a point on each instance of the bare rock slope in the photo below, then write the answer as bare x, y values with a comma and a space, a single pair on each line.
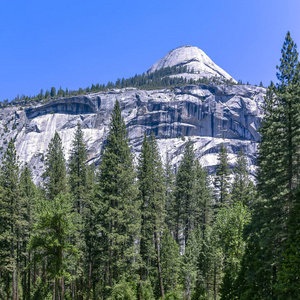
195, 60
207, 114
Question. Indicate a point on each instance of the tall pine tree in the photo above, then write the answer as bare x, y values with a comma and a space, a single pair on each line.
152, 194
118, 217
11, 220
222, 183
55, 180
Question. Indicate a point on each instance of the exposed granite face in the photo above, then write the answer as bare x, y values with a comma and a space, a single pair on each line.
210, 115
195, 60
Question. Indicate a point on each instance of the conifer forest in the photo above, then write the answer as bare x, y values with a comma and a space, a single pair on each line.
126, 230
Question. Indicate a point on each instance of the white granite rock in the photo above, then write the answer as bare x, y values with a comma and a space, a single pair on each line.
209, 115
194, 59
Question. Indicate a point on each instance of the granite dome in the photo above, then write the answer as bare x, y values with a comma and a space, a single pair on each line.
194, 59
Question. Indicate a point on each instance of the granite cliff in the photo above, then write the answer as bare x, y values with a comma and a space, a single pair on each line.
208, 114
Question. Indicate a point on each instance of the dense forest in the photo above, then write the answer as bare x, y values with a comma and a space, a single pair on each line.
122, 231
161, 78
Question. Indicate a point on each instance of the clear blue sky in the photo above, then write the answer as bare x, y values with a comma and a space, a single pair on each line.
73, 44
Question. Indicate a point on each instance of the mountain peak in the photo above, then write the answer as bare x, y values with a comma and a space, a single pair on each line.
194, 59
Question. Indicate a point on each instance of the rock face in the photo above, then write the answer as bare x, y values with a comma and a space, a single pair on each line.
195, 60
209, 115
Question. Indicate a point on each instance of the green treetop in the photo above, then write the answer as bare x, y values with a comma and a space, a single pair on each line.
118, 217
55, 173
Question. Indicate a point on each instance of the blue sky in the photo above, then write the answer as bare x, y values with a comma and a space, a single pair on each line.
76, 43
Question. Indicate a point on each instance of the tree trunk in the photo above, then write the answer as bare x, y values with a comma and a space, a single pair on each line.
90, 280
14, 268
17, 281
215, 282
62, 287
158, 266
7, 286
29, 274
53, 297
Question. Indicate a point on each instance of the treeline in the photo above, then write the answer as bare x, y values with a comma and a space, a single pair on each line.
158, 79
120, 232
126, 232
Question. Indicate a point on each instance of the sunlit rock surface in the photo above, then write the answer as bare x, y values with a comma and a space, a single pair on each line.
194, 59
209, 115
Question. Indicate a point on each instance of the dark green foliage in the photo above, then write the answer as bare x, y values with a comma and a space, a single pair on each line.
170, 188
55, 173
53, 92
222, 178
189, 268
28, 194
52, 232
156, 80
118, 215
78, 170
265, 267
229, 226
185, 198
170, 261
242, 187
11, 218
288, 286
121, 234
152, 194
203, 194
123, 291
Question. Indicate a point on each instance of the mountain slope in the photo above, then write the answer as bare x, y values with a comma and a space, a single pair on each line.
195, 60
209, 115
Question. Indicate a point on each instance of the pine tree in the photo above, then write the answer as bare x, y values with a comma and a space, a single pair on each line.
170, 188
118, 217
184, 202
189, 266
229, 224
152, 194
170, 262
278, 180
80, 193
28, 194
288, 285
53, 233
11, 219
78, 171
55, 173
203, 194
242, 187
222, 184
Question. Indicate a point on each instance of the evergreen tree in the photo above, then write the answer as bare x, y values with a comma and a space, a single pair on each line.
185, 200
170, 188
170, 262
152, 194
118, 217
53, 231
189, 263
55, 173
242, 187
230, 224
80, 193
203, 194
288, 286
278, 180
222, 184
28, 194
53, 92
77, 169
11, 220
